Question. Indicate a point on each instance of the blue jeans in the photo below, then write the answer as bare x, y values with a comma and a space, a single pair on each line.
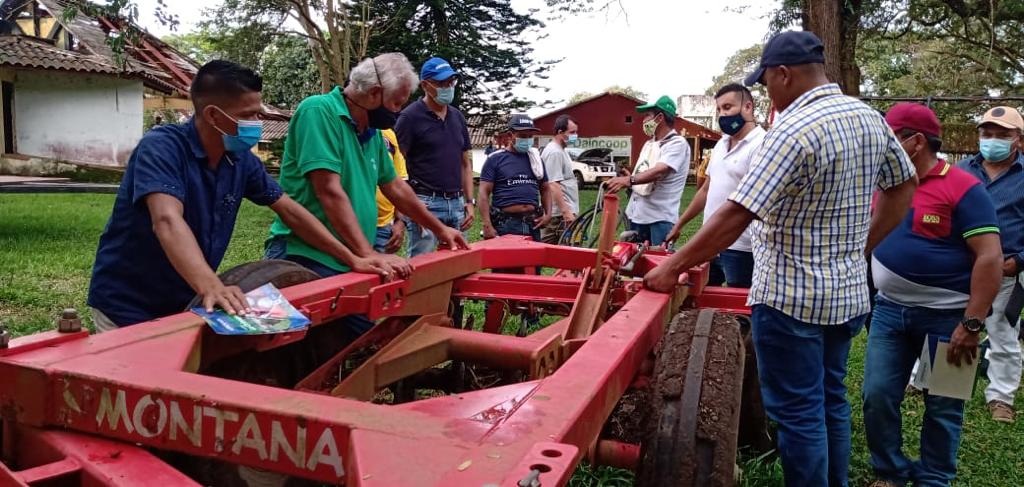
652, 233
515, 225
451, 212
277, 248
802, 367
738, 267
380, 243
897, 335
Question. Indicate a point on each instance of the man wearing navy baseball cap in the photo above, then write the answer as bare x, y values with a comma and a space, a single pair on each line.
809, 188
433, 136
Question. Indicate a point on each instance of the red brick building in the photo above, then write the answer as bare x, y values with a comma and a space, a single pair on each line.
611, 119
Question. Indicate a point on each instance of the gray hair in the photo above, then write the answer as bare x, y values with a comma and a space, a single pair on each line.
391, 71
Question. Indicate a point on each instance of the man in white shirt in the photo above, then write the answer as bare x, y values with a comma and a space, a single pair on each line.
558, 165
659, 176
730, 161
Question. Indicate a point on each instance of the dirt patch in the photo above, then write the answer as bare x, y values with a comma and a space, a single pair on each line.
626, 422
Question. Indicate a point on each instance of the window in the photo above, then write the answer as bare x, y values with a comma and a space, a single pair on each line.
7, 94
629, 119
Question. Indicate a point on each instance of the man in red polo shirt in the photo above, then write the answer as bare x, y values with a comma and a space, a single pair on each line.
937, 274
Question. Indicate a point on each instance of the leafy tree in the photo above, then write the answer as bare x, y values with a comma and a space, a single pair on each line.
625, 90
737, 67
288, 72
200, 45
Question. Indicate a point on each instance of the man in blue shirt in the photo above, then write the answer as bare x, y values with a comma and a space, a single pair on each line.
1000, 167
176, 208
434, 138
515, 194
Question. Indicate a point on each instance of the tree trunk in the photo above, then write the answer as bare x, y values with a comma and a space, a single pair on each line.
824, 18
850, 72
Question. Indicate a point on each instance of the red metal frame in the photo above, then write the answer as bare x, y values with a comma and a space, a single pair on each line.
138, 384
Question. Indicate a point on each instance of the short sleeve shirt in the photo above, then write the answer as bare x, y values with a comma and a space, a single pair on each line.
810, 187
558, 166
322, 136
925, 261
662, 204
726, 168
132, 279
386, 210
433, 147
513, 179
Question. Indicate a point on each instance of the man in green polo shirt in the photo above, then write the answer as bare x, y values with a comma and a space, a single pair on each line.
335, 158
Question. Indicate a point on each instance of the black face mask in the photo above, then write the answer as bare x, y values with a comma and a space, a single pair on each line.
381, 118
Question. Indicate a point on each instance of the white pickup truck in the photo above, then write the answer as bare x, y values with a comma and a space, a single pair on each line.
592, 165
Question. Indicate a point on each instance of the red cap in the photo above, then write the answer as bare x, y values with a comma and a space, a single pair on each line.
913, 116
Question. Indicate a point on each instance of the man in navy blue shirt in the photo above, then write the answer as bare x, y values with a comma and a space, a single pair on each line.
515, 196
1000, 168
434, 138
176, 208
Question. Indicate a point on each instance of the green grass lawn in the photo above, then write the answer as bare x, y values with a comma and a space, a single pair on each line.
48, 242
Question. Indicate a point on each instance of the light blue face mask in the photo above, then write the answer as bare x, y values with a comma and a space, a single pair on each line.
523, 145
249, 134
995, 150
445, 95
572, 139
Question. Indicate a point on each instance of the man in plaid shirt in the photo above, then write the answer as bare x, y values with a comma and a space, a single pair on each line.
807, 199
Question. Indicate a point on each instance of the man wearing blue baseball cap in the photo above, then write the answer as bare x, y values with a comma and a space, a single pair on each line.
807, 200
433, 136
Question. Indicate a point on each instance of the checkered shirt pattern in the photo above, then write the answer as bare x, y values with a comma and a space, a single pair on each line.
810, 186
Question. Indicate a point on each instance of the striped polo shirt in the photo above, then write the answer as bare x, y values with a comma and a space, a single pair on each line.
810, 187
925, 261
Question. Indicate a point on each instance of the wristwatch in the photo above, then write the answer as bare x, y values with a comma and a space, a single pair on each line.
471, 201
632, 180
973, 325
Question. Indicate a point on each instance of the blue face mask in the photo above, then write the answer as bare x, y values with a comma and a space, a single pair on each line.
445, 95
572, 139
249, 134
524, 145
995, 150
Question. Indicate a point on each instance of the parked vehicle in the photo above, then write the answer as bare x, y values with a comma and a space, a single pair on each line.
592, 165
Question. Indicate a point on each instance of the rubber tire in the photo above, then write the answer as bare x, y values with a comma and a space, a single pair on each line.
580, 183
280, 273
666, 460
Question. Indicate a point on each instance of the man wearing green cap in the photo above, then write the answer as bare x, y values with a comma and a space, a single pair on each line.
659, 175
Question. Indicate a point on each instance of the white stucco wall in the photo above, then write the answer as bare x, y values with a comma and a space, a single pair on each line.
76, 117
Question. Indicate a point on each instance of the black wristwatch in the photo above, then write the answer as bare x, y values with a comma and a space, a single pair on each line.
973, 325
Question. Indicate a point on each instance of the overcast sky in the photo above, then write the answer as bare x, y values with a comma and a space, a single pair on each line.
670, 47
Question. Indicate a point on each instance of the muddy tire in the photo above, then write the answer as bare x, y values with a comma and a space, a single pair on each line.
690, 437
280, 273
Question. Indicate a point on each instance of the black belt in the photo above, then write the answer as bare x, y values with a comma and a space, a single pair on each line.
451, 195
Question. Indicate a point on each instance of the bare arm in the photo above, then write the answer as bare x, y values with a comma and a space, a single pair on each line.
311, 231
725, 226
655, 173
890, 208
182, 250
484, 200
467, 188
545, 201
559, 198
338, 208
696, 206
985, 281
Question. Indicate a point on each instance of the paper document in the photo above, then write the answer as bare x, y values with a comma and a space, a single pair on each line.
942, 378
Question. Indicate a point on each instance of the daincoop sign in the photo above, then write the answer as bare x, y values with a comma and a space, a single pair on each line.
620, 146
